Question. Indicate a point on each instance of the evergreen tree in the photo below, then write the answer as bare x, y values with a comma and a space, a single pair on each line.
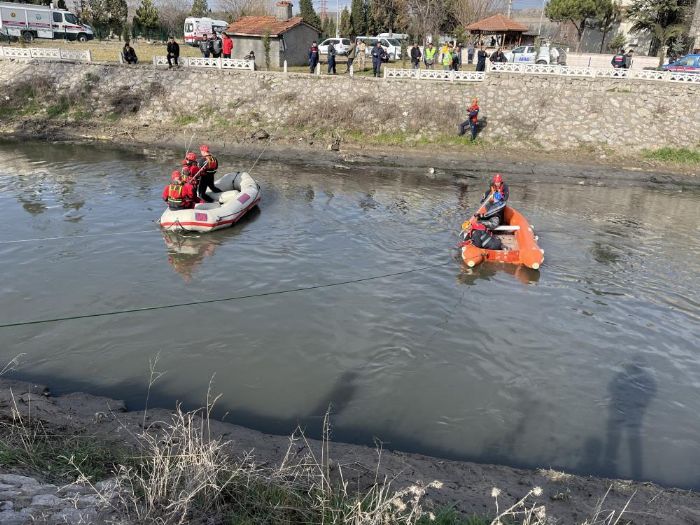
117, 11
200, 8
346, 24
664, 20
358, 17
575, 11
146, 17
308, 14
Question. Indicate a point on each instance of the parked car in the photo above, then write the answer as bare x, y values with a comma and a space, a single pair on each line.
686, 64
390, 45
533, 55
341, 46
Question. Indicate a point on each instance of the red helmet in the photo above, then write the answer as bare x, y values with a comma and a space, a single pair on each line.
184, 162
498, 178
175, 176
204, 148
191, 156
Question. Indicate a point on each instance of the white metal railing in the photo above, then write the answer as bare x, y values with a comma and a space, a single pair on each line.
577, 71
434, 74
76, 55
212, 63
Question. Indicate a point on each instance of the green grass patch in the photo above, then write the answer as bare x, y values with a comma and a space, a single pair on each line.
677, 155
183, 120
36, 452
59, 108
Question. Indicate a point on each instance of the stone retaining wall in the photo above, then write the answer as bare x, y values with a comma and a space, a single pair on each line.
547, 112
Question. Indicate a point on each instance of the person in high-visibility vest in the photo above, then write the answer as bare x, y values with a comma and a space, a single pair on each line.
429, 58
446, 57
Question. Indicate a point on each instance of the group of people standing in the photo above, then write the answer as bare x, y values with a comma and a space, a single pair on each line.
216, 46
357, 50
449, 56
188, 186
622, 60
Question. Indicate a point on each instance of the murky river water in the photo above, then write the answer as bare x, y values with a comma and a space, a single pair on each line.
592, 365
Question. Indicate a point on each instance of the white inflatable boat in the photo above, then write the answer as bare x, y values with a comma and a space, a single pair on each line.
240, 194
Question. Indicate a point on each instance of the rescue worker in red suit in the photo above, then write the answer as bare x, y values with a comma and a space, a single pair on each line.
179, 194
208, 166
493, 202
472, 121
479, 235
191, 163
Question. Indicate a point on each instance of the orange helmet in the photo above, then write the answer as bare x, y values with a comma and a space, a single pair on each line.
204, 148
191, 156
175, 176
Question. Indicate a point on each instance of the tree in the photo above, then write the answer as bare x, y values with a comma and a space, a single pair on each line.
308, 14
61, 4
200, 8
466, 12
117, 11
346, 24
235, 9
172, 14
328, 27
358, 16
607, 16
146, 17
575, 11
389, 15
617, 42
427, 17
663, 19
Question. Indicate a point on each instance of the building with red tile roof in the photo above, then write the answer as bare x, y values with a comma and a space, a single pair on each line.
499, 24
290, 37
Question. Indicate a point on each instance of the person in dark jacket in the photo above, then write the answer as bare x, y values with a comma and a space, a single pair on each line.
173, 52
128, 54
456, 57
378, 54
331, 58
618, 61
216, 46
205, 46
481, 59
416, 55
313, 57
498, 56
493, 201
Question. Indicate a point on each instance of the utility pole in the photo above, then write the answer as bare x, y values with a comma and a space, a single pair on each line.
510, 7
337, 18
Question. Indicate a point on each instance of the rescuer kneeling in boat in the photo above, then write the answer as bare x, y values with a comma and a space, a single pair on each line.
208, 166
179, 194
493, 203
476, 233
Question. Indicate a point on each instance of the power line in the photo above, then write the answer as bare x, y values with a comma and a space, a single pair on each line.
222, 299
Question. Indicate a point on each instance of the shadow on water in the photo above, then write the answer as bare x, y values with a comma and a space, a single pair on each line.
187, 251
469, 276
631, 390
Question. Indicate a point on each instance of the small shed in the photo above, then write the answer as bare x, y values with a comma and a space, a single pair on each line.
290, 37
499, 24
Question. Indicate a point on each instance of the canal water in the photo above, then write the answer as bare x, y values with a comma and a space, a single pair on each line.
591, 365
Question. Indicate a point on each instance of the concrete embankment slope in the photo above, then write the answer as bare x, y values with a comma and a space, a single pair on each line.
521, 110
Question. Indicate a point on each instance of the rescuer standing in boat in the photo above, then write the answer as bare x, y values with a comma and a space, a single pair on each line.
494, 198
208, 166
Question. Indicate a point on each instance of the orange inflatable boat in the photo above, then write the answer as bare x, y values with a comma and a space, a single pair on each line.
519, 244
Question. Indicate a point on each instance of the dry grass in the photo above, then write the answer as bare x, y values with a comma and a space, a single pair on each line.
109, 50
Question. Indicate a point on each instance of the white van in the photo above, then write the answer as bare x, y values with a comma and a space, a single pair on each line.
29, 21
390, 45
196, 28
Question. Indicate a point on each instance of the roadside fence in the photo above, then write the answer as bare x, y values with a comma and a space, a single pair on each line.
31, 53
45, 53
211, 63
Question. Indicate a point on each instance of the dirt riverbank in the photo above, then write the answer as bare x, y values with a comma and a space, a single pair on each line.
466, 486
437, 160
